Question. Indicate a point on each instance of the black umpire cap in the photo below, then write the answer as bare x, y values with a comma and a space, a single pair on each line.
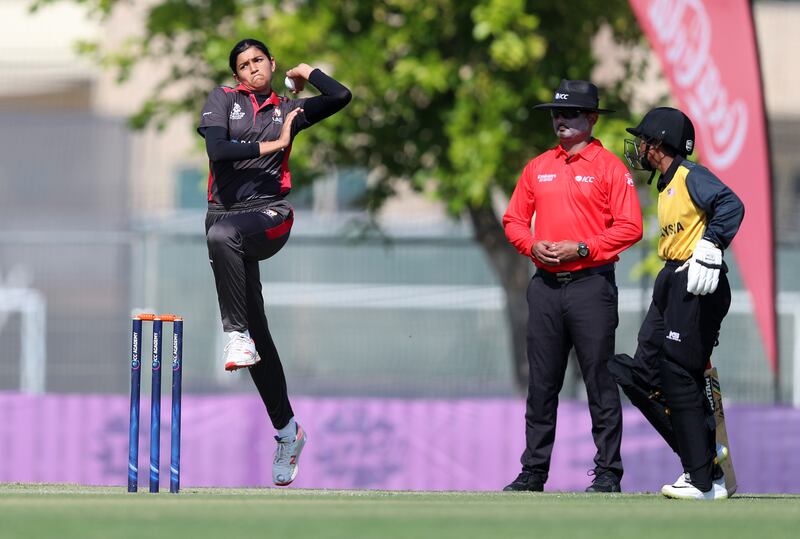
575, 94
669, 126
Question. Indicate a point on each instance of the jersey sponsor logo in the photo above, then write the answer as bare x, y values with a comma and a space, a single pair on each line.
629, 179
671, 229
674, 336
237, 113
546, 177
207, 113
276, 116
670, 192
584, 179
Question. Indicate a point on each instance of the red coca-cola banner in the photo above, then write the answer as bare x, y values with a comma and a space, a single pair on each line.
709, 55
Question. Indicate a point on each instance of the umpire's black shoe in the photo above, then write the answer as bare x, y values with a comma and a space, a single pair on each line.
604, 482
525, 482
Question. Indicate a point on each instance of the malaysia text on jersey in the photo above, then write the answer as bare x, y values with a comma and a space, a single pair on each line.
694, 204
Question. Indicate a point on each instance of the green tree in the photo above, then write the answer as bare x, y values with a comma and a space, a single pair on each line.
443, 89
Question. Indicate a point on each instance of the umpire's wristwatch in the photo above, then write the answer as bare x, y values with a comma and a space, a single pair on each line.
583, 250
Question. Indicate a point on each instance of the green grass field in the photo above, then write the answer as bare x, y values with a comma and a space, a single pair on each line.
70, 511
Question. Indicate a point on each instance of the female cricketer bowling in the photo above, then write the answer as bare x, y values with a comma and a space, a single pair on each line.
248, 131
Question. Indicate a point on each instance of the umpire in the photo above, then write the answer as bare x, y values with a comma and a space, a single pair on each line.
587, 212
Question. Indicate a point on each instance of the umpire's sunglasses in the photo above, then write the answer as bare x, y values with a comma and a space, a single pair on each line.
567, 114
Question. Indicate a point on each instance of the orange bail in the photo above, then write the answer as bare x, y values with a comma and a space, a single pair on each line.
162, 317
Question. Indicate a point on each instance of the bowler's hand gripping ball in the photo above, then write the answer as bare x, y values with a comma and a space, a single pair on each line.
289, 83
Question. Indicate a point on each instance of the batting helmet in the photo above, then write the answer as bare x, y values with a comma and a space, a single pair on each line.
668, 126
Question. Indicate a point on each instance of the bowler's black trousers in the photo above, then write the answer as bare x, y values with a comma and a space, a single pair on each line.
238, 238
581, 313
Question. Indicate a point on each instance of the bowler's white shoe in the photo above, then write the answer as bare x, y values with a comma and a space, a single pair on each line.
240, 352
287, 458
683, 489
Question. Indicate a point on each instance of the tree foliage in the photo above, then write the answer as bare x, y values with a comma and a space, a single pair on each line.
442, 89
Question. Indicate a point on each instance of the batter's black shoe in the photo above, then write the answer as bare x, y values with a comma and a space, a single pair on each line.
604, 482
525, 482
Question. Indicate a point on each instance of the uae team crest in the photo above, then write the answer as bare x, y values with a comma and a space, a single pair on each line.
237, 113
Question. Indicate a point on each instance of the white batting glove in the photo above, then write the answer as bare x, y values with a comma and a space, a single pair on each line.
704, 267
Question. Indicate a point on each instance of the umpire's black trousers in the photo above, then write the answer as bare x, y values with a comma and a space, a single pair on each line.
238, 237
580, 313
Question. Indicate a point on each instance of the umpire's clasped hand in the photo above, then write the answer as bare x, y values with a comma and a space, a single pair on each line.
544, 252
704, 267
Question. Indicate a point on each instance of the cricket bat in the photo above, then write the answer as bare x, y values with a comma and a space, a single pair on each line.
714, 396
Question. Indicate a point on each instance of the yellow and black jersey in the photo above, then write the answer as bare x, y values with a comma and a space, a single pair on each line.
694, 204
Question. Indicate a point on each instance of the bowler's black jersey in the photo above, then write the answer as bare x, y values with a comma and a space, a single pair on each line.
239, 174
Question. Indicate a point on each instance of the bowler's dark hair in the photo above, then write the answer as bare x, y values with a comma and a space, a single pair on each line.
242, 46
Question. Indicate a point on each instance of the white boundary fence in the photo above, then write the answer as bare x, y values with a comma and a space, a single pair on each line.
388, 296
31, 305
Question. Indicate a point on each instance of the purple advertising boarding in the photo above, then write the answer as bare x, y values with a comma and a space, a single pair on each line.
358, 443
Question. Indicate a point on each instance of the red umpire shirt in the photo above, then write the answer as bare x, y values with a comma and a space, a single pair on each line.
588, 197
